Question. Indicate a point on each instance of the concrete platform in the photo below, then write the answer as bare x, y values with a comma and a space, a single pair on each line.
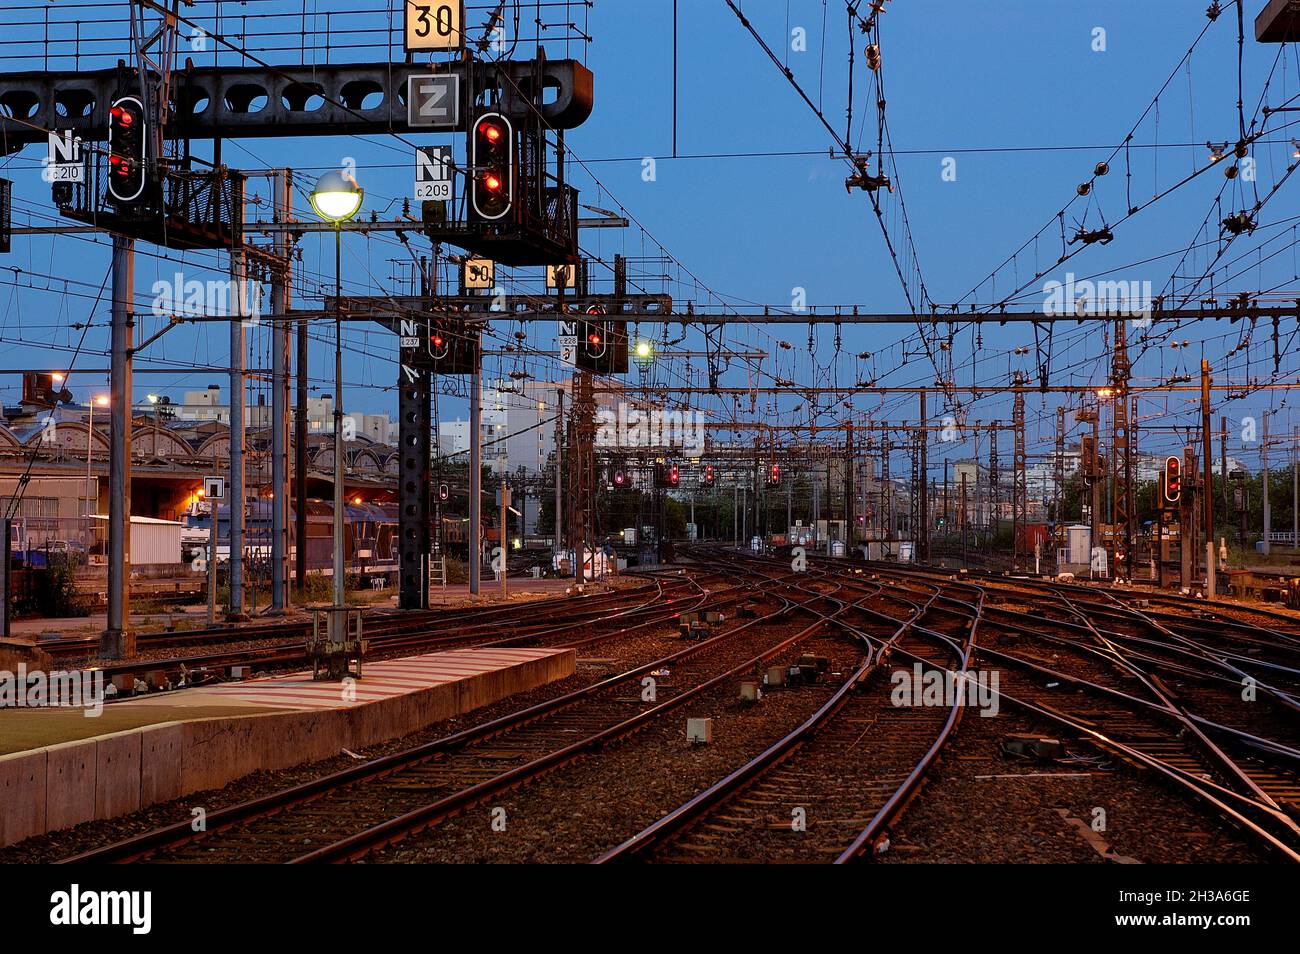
202, 739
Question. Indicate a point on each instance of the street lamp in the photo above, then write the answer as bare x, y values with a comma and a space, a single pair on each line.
337, 198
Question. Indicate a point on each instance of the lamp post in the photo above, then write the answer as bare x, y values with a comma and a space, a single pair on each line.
337, 198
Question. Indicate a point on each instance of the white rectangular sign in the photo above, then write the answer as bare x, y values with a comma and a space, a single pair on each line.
433, 173
435, 25
480, 273
214, 488
64, 162
410, 333
560, 276
569, 350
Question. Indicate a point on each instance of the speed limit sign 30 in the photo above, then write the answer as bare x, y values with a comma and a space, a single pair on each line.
435, 25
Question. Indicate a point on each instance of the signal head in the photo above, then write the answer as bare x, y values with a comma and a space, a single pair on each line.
126, 150
1173, 482
492, 159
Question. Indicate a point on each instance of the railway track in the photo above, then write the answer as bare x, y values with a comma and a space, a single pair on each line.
747, 814
523, 624
346, 815
1124, 707
825, 791
1166, 722
1177, 608
378, 623
833, 787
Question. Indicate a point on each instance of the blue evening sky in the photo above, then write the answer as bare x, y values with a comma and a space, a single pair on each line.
1012, 90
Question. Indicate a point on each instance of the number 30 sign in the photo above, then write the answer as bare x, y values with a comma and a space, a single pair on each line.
435, 25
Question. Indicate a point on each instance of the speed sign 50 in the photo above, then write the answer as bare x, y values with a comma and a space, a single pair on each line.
435, 25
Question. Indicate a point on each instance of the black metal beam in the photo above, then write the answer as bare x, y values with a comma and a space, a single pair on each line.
214, 101
301, 227
533, 307
389, 308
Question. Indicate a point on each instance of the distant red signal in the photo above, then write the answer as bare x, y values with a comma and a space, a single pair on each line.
1173, 489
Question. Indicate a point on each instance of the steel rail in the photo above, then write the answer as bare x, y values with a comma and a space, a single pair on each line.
654, 836
363, 843
1217, 795
181, 833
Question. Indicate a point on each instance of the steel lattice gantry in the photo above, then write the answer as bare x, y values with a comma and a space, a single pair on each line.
220, 101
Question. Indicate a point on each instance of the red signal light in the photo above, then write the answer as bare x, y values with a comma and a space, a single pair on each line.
491, 156
1173, 479
127, 150
674, 477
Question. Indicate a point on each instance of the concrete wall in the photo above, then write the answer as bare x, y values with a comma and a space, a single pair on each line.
73, 782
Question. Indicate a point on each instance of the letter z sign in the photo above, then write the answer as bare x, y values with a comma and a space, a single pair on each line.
433, 100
